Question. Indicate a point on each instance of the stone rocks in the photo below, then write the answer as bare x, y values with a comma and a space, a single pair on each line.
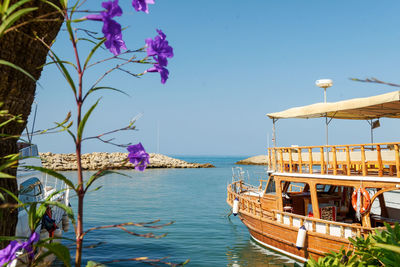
116, 160
256, 160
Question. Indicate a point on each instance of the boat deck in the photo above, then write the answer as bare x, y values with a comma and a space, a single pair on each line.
380, 160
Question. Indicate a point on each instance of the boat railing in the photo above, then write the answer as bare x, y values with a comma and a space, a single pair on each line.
28, 150
332, 228
252, 206
240, 187
377, 159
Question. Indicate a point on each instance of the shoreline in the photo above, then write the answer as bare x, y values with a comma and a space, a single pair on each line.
115, 160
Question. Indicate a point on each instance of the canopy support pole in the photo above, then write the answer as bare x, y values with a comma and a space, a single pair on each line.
274, 140
372, 130
373, 124
327, 121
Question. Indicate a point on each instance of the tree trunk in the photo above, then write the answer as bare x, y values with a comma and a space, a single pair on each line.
17, 91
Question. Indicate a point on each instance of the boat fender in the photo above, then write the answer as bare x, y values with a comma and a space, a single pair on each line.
355, 200
235, 208
301, 237
65, 222
58, 235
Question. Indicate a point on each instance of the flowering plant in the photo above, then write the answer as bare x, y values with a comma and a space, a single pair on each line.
158, 52
8, 254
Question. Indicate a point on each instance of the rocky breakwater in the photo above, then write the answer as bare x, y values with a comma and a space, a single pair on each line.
116, 160
256, 160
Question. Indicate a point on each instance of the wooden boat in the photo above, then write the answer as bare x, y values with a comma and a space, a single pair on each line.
323, 194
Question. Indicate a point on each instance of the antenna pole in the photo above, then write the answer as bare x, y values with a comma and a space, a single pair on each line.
33, 124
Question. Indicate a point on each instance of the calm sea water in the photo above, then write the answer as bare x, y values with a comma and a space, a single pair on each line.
194, 198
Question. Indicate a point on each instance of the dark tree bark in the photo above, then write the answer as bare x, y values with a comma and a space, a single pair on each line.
17, 91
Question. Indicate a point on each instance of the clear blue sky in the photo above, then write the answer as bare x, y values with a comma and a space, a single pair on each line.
234, 62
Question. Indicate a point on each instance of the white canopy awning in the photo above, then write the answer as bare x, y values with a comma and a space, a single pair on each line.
385, 105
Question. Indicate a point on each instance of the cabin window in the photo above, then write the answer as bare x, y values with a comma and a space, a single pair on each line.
293, 195
335, 203
30, 188
385, 208
323, 188
271, 186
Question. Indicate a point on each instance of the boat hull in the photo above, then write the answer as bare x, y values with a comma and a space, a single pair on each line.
282, 238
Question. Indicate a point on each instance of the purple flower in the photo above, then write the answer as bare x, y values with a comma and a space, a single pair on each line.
160, 51
141, 5
138, 156
7, 255
162, 70
113, 34
159, 46
111, 29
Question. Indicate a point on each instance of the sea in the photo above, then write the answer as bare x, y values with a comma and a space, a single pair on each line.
193, 200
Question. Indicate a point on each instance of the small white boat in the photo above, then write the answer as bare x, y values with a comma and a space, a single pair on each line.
36, 187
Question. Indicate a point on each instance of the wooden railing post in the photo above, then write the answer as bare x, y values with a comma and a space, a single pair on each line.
364, 164
310, 160
379, 157
322, 160
274, 160
396, 149
300, 160
334, 161
348, 162
281, 160
290, 161
269, 158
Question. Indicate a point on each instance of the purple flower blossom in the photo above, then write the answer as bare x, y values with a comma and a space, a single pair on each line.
111, 29
159, 46
138, 156
141, 5
160, 69
160, 50
7, 254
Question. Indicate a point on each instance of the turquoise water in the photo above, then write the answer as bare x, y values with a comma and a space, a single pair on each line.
194, 198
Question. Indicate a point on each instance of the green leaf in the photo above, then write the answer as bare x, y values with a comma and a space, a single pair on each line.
11, 162
82, 124
32, 216
4, 6
14, 7
65, 72
64, 3
54, 174
64, 62
54, 5
12, 195
68, 210
93, 89
389, 247
92, 52
88, 40
4, 62
9, 21
61, 251
94, 264
5, 175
